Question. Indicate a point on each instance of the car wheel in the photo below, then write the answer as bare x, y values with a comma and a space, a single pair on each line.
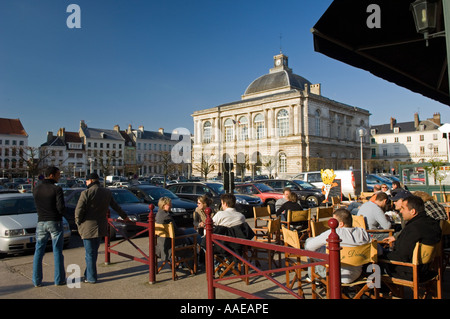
312, 201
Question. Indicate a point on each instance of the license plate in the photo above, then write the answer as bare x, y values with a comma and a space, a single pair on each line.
32, 239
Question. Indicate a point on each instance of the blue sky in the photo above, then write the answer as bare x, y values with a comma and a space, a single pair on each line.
153, 63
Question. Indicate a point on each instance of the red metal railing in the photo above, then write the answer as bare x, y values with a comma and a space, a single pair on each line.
145, 259
332, 259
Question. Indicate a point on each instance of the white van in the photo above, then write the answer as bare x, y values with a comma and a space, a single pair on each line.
111, 179
350, 180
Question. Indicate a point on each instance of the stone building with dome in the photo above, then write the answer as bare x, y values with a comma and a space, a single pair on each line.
281, 126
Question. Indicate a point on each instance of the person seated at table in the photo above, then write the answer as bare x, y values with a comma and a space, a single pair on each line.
292, 205
373, 212
419, 227
199, 217
432, 208
350, 236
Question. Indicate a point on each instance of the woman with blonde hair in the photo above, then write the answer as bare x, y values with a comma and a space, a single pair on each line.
203, 202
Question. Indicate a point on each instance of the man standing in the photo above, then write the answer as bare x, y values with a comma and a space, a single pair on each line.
373, 212
90, 217
418, 228
49, 200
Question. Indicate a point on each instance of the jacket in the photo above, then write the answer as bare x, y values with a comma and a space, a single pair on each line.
49, 200
421, 228
90, 213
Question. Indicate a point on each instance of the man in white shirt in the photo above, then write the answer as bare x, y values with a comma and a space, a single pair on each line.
350, 237
229, 216
373, 212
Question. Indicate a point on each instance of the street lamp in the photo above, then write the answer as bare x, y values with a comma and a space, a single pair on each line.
362, 132
424, 14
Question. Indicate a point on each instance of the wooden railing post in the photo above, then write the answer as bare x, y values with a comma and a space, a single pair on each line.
209, 255
335, 261
107, 239
151, 245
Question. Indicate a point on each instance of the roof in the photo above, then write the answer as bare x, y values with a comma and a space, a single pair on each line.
405, 127
152, 135
97, 133
277, 80
12, 127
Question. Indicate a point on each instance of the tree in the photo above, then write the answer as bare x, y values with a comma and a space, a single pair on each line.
33, 159
270, 163
206, 165
165, 160
435, 169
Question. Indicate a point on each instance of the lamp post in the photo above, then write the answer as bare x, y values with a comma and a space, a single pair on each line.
361, 132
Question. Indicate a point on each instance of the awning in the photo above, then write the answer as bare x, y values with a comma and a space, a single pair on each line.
394, 52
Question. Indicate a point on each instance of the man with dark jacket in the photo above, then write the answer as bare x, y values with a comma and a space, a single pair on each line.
418, 228
49, 200
90, 217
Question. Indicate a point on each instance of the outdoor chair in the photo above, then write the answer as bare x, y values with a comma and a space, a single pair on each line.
324, 213
356, 256
421, 286
319, 227
300, 221
273, 236
178, 255
261, 216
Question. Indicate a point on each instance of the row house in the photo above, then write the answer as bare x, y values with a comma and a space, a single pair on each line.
416, 141
65, 150
13, 141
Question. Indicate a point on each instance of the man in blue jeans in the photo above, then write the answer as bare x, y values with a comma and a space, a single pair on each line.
49, 200
90, 217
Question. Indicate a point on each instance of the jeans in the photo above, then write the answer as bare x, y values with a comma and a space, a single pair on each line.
91, 246
45, 230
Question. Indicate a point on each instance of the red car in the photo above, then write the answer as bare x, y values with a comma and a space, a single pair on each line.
267, 194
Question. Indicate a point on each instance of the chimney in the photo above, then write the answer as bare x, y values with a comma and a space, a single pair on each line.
141, 128
82, 124
393, 122
49, 136
117, 128
62, 133
161, 131
416, 120
437, 119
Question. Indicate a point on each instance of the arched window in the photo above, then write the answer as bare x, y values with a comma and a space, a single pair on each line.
282, 163
283, 123
207, 132
229, 131
259, 126
243, 128
317, 126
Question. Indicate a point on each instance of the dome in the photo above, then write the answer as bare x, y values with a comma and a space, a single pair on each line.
277, 80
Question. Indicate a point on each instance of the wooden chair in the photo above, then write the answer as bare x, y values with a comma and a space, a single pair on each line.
319, 227
337, 203
186, 255
365, 195
422, 255
300, 221
359, 221
274, 237
261, 216
358, 256
324, 212
292, 239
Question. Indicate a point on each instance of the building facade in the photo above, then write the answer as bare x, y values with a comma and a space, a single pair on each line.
281, 126
13, 142
415, 141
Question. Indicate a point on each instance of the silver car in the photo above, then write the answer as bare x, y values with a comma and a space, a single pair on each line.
18, 220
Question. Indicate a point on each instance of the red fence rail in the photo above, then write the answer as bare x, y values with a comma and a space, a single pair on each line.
148, 259
332, 259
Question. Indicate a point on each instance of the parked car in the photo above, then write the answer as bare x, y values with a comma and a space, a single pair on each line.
308, 194
350, 180
192, 190
136, 210
18, 220
24, 188
267, 194
120, 185
373, 179
182, 209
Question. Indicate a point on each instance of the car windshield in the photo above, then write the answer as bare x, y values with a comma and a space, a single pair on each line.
125, 197
264, 188
17, 206
158, 192
304, 184
217, 188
